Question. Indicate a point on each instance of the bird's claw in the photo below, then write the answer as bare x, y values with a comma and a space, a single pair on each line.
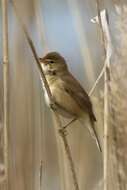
63, 131
53, 106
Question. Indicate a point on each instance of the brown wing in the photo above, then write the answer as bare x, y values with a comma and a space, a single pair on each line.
73, 87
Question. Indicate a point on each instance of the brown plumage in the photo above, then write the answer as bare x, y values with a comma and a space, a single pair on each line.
71, 99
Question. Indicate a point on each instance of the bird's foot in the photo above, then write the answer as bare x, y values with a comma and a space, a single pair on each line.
53, 106
68, 124
63, 131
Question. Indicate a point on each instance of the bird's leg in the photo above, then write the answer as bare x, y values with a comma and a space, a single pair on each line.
67, 125
63, 129
53, 105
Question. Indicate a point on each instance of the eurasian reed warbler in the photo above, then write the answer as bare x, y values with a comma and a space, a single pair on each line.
71, 100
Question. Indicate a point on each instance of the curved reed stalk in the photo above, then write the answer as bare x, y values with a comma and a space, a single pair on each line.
65, 142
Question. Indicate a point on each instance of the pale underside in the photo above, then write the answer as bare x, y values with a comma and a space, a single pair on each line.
68, 107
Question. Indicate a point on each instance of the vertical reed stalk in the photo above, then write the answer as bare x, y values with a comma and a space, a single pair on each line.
108, 48
107, 45
5, 83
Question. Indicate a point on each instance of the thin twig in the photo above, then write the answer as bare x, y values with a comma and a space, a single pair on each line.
33, 51
97, 80
5, 84
68, 152
99, 21
66, 145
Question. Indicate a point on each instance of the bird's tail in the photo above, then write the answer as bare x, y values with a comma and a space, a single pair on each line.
93, 132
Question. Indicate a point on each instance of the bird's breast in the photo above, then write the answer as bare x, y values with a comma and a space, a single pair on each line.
68, 106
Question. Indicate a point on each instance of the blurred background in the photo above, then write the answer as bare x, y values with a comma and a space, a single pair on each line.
63, 26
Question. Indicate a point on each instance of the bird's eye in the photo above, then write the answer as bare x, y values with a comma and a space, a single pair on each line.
51, 61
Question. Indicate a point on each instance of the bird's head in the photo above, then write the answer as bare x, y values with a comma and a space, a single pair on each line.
53, 61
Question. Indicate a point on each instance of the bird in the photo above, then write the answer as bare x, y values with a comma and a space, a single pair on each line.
71, 100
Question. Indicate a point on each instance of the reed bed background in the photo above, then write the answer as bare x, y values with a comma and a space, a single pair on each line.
36, 159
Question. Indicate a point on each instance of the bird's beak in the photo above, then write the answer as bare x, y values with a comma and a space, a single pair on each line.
41, 60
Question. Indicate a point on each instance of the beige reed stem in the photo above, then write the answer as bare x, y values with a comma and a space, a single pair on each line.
5, 84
